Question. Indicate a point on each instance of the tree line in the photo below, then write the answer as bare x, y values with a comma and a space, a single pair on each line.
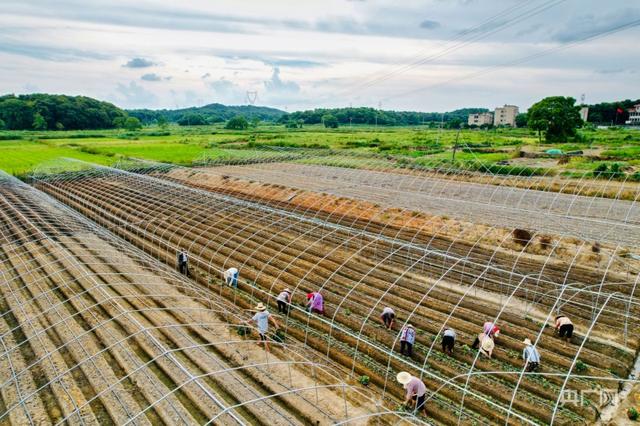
208, 114
57, 112
334, 117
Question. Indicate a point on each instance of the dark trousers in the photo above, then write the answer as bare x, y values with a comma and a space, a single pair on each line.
406, 348
420, 401
532, 366
476, 344
184, 268
447, 343
283, 307
566, 331
387, 318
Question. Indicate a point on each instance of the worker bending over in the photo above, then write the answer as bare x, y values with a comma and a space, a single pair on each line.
448, 340
284, 300
183, 262
388, 317
262, 318
407, 339
531, 357
315, 303
564, 327
485, 343
416, 391
231, 277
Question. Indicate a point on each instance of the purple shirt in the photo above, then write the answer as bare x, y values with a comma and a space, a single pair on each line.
415, 387
317, 302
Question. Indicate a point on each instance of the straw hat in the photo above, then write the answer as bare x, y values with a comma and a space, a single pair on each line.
403, 377
410, 325
260, 307
287, 290
527, 342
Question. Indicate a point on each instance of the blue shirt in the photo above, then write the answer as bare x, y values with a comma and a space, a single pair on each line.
531, 354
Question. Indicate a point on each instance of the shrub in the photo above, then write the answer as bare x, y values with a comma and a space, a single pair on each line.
581, 367
364, 380
633, 414
237, 123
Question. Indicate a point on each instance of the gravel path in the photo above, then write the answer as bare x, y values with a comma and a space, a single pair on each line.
588, 218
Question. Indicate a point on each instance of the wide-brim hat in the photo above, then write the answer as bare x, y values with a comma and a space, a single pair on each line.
403, 377
527, 342
288, 290
260, 307
410, 325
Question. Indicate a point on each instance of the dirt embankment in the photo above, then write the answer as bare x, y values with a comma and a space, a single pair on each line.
542, 247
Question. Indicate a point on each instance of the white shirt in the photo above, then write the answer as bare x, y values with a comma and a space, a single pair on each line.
230, 273
284, 296
388, 310
449, 332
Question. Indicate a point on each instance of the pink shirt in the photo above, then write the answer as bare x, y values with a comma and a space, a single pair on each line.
317, 302
562, 321
415, 387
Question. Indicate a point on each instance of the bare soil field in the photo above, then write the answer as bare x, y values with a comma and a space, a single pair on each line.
94, 333
586, 217
362, 265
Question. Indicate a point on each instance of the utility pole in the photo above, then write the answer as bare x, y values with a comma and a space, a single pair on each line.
455, 147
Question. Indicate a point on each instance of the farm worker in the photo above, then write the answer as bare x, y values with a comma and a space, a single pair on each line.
183, 262
490, 329
485, 343
407, 338
416, 391
388, 317
564, 327
262, 318
284, 300
448, 340
315, 302
231, 277
531, 356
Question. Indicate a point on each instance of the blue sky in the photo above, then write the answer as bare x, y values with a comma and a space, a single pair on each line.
431, 55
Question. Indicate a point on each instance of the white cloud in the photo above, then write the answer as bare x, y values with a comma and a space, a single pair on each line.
314, 54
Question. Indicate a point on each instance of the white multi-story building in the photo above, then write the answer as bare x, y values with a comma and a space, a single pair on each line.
584, 113
480, 119
634, 116
505, 116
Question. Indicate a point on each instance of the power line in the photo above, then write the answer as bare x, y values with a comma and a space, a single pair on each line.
521, 60
479, 35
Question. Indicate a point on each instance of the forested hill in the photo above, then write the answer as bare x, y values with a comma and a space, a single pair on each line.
212, 113
41, 111
373, 116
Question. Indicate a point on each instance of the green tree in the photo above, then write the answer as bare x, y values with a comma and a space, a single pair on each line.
2, 125
192, 119
163, 123
39, 123
131, 124
557, 116
330, 121
255, 121
118, 122
521, 120
237, 123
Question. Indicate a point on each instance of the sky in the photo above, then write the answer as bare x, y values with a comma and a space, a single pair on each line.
430, 55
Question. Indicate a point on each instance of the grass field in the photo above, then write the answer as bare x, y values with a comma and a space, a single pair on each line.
502, 151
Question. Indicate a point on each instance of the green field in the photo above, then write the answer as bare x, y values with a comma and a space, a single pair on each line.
503, 151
